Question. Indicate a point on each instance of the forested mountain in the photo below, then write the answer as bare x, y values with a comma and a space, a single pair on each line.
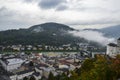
50, 34
47, 33
113, 31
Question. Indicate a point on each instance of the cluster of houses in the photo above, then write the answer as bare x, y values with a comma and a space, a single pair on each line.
20, 65
113, 49
79, 46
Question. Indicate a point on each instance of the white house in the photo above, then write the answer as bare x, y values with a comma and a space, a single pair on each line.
22, 74
113, 49
10, 64
37, 75
12, 76
46, 71
63, 66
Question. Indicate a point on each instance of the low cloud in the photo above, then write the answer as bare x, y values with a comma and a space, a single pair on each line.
93, 36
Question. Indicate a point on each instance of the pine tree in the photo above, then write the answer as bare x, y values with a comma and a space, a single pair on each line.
32, 78
25, 78
51, 76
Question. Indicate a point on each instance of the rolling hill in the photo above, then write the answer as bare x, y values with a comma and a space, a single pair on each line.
113, 31
47, 33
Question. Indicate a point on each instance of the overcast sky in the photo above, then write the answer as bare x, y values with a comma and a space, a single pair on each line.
75, 13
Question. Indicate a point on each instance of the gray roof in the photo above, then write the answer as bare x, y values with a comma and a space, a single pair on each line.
113, 44
10, 61
36, 74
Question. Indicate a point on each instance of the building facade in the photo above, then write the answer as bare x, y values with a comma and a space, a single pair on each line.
11, 64
113, 49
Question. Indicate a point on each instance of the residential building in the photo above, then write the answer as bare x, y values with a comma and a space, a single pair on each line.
10, 64
113, 49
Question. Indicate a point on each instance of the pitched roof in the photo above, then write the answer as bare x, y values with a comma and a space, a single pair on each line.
36, 74
24, 72
113, 44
